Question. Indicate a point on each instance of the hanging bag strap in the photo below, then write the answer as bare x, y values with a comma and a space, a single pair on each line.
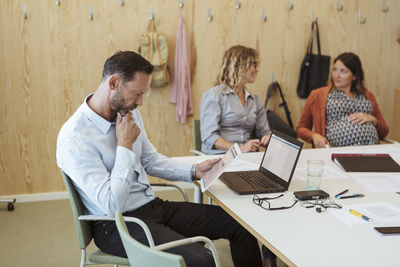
318, 42
275, 86
164, 68
314, 32
310, 40
151, 27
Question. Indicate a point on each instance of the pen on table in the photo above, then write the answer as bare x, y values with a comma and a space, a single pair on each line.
343, 192
360, 215
350, 196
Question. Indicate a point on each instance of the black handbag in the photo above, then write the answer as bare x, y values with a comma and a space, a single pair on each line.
314, 69
274, 121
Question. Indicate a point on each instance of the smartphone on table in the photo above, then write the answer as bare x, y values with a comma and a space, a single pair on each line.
310, 194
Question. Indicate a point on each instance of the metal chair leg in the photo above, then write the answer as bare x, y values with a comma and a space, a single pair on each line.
198, 195
83, 257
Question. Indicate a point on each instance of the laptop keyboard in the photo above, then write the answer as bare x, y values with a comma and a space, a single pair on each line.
257, 180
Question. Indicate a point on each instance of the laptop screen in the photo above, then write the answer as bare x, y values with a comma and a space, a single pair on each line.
280, 157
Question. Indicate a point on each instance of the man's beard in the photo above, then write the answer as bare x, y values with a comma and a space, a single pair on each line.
124, 111
118, 104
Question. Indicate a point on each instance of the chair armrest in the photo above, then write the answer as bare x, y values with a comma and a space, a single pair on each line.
95, 218
127, 219
185, 197
164, 246
191, 240
196, 152
387, 141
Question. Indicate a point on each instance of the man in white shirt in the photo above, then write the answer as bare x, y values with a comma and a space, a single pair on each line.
104, 148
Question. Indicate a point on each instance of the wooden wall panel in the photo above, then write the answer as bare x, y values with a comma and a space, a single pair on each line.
53, 59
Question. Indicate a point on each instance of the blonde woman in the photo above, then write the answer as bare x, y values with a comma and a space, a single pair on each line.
229, 113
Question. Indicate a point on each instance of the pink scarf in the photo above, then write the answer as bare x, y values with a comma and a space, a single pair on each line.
181, 90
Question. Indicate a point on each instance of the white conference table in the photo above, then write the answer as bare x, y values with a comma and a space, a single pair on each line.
300, 236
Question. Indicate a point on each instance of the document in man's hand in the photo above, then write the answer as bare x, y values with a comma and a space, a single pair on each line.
213, 174
366, 162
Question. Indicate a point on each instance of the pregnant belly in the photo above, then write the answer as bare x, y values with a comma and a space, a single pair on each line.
345, 133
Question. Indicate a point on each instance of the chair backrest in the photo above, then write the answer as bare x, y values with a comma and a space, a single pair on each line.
83, 228
196, 135
141, 255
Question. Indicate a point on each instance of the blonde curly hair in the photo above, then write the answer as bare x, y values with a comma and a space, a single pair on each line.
235, 62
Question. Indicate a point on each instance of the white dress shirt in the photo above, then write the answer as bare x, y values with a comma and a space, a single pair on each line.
109, 177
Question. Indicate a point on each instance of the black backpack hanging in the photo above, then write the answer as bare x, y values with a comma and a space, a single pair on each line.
274, 121
314, 69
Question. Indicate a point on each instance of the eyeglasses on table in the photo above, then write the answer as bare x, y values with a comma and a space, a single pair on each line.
265, 204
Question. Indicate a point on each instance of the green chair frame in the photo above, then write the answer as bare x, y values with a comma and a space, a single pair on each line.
140, 255
84, 230
196, 138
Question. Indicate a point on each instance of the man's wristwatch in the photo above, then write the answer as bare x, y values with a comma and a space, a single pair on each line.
193, 172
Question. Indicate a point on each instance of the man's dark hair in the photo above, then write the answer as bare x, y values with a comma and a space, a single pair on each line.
126, 64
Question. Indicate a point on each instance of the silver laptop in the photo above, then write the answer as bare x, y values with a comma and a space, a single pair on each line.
276, 168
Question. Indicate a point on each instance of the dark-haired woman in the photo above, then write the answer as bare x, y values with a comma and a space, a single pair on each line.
344, 113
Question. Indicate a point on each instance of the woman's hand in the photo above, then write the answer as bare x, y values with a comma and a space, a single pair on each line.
250, 146
362, 118
265, 139
319, 140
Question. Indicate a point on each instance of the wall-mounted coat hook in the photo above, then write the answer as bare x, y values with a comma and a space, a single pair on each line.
360, 17
238, 4
384, 7
181, 4
122, 2
90, 12
314, 18
289, 5
273, 77
339, 6
58, 2
210, 16
151, 13
263, 17
24, 11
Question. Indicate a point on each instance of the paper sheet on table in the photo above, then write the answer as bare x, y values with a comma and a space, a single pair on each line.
329, 173
378, 182
382, 212
241, 165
